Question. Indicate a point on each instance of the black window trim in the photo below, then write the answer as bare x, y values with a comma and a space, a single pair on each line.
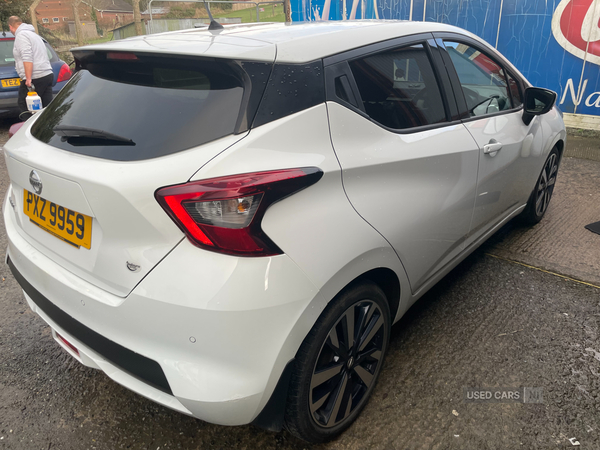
452, 74
337, 65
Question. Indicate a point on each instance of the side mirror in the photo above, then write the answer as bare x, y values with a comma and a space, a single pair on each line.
538, 101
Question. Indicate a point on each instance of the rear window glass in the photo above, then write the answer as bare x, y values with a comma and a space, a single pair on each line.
6, 53
142, 109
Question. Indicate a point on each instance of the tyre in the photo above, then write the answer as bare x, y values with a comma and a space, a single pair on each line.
542, 193
338, 364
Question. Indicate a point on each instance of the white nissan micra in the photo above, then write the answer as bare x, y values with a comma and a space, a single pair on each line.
229, 221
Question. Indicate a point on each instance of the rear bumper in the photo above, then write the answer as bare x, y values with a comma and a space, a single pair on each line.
205, 334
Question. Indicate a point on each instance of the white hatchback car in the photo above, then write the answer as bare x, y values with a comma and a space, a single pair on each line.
228, 222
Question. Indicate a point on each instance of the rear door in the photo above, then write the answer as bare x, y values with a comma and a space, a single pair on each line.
409, 165
490, 100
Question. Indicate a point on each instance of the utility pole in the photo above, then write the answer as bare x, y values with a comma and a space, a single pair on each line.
288, 10
33, 16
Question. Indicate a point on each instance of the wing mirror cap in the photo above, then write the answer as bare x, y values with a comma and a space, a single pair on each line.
538, 101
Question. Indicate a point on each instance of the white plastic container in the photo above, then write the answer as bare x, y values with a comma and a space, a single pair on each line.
34, 101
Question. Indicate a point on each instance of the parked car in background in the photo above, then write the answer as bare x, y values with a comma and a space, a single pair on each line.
10, 81
229, 221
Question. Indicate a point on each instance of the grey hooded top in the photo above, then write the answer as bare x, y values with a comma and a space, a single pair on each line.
29, 47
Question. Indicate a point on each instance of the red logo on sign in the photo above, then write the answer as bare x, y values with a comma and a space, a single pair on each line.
576, 27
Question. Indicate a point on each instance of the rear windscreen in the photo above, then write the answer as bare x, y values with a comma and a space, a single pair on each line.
6, 52
143, 108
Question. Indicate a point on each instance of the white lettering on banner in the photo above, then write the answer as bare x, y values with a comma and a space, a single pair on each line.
575, 98
590, 32
588, 101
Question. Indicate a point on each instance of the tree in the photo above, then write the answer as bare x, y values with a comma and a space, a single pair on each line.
94, 17
33, 15
143, 4
14, 8
137, 18
78, 30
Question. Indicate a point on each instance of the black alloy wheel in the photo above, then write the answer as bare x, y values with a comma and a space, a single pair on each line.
542, 193
545, 185
338, 364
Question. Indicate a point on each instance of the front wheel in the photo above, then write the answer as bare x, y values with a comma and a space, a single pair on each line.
338, 364
541, 195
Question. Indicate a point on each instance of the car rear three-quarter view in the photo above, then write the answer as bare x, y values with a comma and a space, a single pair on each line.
228, 222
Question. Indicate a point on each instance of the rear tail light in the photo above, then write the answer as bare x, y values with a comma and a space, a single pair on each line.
64, 73
224, 214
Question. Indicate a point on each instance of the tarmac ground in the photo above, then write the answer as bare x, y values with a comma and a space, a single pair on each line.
523, 311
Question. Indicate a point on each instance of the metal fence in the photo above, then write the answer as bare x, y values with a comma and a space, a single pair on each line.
257, 5
163, 25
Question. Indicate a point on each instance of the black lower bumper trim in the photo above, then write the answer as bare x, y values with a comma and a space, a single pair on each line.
136, 365
273, 414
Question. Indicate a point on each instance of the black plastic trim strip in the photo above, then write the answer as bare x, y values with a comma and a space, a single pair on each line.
272, 415
291, 88
444, 83
136, 365
376, 48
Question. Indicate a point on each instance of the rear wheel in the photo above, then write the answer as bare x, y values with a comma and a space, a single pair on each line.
541, 195
338, 364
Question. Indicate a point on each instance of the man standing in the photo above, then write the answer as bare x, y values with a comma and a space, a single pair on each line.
31, 62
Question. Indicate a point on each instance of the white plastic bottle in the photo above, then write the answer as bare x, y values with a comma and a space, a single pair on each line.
34, 102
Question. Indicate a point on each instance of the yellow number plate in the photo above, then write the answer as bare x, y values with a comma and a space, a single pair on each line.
70, 226
11, 82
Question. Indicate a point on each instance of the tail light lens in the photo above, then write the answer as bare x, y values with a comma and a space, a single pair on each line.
224, 214
64, 73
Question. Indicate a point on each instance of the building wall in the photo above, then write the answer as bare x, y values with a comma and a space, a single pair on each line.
554, 43
48, 10
110, 20
63, 10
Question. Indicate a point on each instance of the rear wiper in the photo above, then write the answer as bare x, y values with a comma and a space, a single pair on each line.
71, 131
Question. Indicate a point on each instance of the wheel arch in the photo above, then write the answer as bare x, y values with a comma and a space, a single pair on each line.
388, 282
560, 146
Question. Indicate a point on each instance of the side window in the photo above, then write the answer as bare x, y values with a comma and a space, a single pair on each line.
50, 55
483, 81
399, 89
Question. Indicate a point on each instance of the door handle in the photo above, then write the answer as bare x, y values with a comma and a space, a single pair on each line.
492, 147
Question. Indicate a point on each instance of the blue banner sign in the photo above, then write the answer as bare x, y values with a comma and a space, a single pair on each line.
555, 44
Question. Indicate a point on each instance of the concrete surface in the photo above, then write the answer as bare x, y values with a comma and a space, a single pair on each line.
489, 323
560, 243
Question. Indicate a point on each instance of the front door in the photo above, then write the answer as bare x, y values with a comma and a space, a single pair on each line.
507, 146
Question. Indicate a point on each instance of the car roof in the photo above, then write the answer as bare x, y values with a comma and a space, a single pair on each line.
283, 42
